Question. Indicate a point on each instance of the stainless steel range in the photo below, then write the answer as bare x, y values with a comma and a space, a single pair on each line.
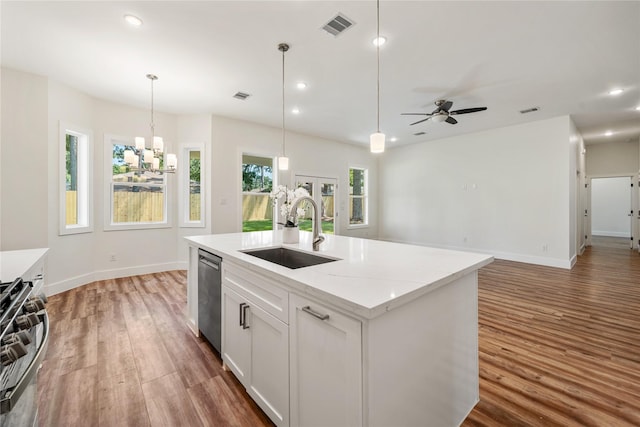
24, 331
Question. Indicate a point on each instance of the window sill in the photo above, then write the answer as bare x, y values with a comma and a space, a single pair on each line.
135, 226
357, 226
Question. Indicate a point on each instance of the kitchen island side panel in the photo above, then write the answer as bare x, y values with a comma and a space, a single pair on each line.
421, 360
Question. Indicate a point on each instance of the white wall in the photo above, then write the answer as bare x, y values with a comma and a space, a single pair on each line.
307, 155
610, 207
504, 191
24, 161
33, 106
613, 159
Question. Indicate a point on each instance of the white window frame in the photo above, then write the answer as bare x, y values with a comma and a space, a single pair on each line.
109, 225
365, 198
184, 180
85, 180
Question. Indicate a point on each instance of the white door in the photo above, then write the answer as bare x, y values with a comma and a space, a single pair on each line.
236, 339
324, 192
326, 366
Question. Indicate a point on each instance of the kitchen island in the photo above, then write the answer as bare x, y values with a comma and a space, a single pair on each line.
384, 335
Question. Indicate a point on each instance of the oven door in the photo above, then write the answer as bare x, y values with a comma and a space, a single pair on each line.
18, 404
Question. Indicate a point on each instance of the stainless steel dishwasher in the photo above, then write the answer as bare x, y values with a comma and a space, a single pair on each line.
209, 297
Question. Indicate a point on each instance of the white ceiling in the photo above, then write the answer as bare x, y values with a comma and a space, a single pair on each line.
562, 57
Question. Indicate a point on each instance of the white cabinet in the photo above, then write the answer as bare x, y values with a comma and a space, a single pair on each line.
255, 343
326, 366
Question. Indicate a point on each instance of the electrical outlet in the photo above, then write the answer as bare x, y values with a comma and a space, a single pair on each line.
112, 257
545, 247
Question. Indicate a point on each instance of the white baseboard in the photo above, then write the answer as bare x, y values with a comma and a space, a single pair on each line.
77, 281
624, 234
507, 256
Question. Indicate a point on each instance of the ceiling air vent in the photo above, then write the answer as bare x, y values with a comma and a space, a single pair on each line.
337, 25
241, 95
529, 110
420, 133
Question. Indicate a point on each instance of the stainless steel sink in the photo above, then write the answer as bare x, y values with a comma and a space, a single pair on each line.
288, 257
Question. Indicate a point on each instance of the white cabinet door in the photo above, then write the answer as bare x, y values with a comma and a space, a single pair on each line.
269, 384
326, 366
256, 348
236, 340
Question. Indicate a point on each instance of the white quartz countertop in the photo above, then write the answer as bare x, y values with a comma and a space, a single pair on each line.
370, 278
14, 264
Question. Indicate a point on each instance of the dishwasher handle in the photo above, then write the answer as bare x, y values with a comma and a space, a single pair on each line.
209, 263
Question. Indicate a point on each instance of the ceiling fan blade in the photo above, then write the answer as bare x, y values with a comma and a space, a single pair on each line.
415, 114
468, 110
445, 106
451, 120
420, 121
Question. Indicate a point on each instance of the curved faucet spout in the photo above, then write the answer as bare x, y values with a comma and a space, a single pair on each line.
317, 237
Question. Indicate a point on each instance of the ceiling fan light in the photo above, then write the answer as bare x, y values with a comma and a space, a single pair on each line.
439, 118
376, 142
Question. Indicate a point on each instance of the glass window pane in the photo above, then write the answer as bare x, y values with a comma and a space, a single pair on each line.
138, 203
194, 186
257, 183
357, 196
71, 180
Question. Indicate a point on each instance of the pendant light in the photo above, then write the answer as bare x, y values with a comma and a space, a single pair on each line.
283, 161
140, 159
376, 140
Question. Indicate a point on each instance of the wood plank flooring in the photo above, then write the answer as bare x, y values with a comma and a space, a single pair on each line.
557, 348
120, 354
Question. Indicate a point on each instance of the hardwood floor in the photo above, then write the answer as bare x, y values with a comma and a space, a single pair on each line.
120, 354
557, 348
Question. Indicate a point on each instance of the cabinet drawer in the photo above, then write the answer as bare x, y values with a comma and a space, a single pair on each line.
261, 291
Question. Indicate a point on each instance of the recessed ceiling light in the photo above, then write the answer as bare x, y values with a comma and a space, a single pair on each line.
638, 108
295, 110
379, 41
393, 139
301, 85
133, 20
608, 133
615, 92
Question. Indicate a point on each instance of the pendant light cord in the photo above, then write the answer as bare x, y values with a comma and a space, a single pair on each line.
378, 59
283, 131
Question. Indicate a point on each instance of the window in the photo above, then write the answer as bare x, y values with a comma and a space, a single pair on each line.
358, 211
257, 183
191, 186
75, 180
136, 199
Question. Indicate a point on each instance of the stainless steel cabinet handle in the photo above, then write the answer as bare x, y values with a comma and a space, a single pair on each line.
307, 309
244, 316
240, 307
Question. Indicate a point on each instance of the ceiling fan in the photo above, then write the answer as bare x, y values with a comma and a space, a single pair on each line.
442, 113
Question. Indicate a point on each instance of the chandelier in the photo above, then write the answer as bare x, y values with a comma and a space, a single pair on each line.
142, 159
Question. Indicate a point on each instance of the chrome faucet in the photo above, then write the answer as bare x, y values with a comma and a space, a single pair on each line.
317, 237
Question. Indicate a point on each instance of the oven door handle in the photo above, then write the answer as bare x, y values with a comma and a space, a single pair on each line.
8, 401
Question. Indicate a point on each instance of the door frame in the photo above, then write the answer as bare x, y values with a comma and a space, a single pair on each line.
634, 194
